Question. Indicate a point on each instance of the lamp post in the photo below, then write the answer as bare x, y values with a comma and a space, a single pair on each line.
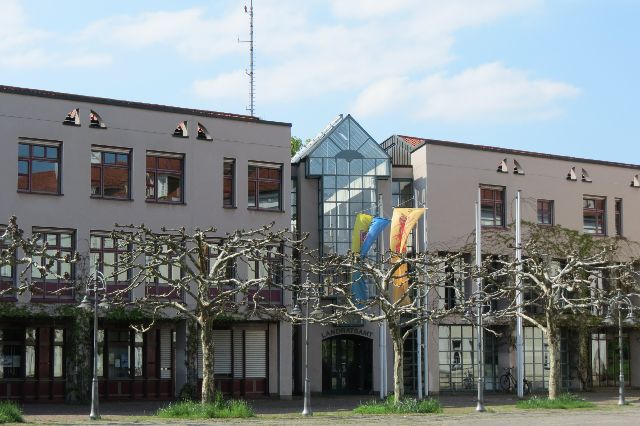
476, 319
309, 295
99, 284
619, 301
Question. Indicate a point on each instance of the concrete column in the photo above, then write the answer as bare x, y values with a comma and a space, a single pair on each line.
181, 346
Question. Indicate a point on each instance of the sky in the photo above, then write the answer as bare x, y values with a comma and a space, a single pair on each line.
555, 76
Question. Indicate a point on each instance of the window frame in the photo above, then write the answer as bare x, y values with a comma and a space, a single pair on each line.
7, 282
102, 166
112, 285
493, 202
156, 171
45, 297
540, 213
257, 179
596, 212
229, 178
30, 158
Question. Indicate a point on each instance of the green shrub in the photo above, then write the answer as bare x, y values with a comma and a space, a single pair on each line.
566, 401
405, 406
10, 413
221, 409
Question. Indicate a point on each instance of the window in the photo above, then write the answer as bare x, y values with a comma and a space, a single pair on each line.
119, 349
165, 177
618, 207
492, 206
108, 253
11, 342
6, 271
270, 266
294, 205
594, 215
110, 171
181, 130
203, 133
164, 281
229, 190
30, 345
402, 193
58, 352
545, 212
95, 121
73, 118
39, 167
57, 285
265, 186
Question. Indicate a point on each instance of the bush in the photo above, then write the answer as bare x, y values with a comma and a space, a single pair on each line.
566, 401
220, 409
405, 406
10, 413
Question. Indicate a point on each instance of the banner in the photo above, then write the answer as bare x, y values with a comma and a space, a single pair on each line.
375, 227
402, 223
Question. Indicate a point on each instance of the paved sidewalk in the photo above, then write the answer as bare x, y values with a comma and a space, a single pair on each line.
336, 410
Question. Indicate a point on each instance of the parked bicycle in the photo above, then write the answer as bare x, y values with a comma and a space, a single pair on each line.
467, 380
508, 382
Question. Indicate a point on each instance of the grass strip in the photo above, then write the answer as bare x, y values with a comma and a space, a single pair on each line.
220, 409
10, 412
565, 401
404, 406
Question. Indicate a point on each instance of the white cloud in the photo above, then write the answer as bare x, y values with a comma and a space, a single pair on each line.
490, 92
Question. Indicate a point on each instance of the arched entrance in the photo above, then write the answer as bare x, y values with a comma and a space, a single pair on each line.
347, 365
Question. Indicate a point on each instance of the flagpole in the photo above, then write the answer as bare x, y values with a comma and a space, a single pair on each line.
480, 406
381, 345
425, 326
418, 300
519, 352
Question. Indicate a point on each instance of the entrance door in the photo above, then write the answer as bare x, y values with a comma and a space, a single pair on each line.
347, 365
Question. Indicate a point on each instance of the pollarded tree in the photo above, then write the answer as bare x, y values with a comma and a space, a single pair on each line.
559, 274
198, 276
22, 256
402, 311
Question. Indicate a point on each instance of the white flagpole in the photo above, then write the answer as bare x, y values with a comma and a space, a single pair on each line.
425, 302
418, 297
381, 336
480, 406
519, 352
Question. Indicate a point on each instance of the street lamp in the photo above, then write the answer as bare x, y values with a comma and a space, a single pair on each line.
99, 284
309, 294
618, 302
471, 317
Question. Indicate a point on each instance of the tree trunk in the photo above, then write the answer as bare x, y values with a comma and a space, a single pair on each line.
553, 342
584, 360
398, 365
208, 361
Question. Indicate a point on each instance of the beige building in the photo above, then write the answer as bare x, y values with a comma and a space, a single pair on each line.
344, 171
73, 166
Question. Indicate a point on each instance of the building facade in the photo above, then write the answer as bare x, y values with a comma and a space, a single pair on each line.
590, 196
73, 166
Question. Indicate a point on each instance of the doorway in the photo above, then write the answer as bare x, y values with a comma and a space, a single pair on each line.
347, 362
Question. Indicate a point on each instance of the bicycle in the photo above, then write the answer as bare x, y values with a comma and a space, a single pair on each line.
467, 380
508, 382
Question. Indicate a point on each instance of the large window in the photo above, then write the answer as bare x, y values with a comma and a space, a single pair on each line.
594, 215
402, 193
57, 284
165, 177
165, 281
110, 173
108, 254
39, 167
229, 189
272, 267
545, 212
125, 353
265, 186
492, 206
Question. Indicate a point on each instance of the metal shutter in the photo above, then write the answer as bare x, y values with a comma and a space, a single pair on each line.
256, 353
237, 353
165, 353
222, 353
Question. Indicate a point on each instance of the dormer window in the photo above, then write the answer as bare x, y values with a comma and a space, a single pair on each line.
181, 130
95, 122
203, 133
73, 118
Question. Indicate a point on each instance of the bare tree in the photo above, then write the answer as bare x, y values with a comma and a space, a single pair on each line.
21, 255
404, 314
561, 276
197, 275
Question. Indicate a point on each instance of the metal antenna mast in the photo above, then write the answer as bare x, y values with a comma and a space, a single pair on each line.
250, 73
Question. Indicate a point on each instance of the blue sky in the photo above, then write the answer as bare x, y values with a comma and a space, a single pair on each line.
557, 76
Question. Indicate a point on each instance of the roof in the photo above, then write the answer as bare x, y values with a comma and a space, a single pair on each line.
425, 142
309, 146
137, 105
414, 142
